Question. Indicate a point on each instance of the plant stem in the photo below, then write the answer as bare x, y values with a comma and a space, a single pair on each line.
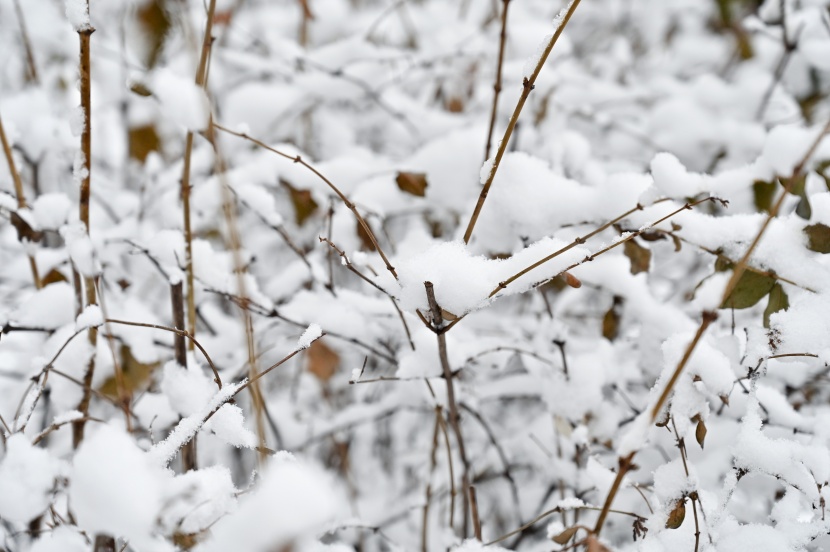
452, 405
85, 35
497, 84
18, 190
527, 87
201, 80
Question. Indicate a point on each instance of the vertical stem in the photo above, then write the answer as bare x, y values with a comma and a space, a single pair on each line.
180, 350
432, 461
18, 190
474, 510
27, 44
89, 281
497, 84
527, 87
104, 543
201, 80
452, 405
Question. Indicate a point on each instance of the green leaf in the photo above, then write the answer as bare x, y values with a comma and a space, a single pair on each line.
778, 301
751, 287
818, 237
763, 193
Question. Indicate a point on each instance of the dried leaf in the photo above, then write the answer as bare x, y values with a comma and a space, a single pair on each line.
818, 237
322, 361
572, 280
592, 544
143, 140
136, 376
155, 23
365, 239
52, 277
304, 204
566, 535
140, 89
412, 183
751, 287
677, 515
700, 432
24, 230
611, 324
639, 256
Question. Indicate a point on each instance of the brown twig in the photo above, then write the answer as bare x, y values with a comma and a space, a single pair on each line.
502, 285
708, 318
201, 81
348, 264
527, 86
497, 84
85, 34
351, 206
432, 462
18, 190
474, 511
176, 331
452, 405
27, 44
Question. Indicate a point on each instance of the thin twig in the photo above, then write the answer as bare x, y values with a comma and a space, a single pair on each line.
497, 84
201, 81
452, 405
18, 190
527, 86
176, 331
351, 206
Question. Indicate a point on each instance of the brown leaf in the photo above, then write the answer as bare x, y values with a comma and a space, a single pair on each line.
143, 140
52, 277
304, 204
592, 544
566, 535
155, 23
572, 280
24, 230
677, 515
412, 183
700, 432
136, 376
322, 361
639, 256
365, 239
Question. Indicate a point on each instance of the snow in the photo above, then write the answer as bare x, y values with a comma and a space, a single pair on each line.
27, 477
310, 335
48, 308
182, 101
114, 488
163, 453
266, 520
77, 11
81, 249
51, 210
61, 539
91, 316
